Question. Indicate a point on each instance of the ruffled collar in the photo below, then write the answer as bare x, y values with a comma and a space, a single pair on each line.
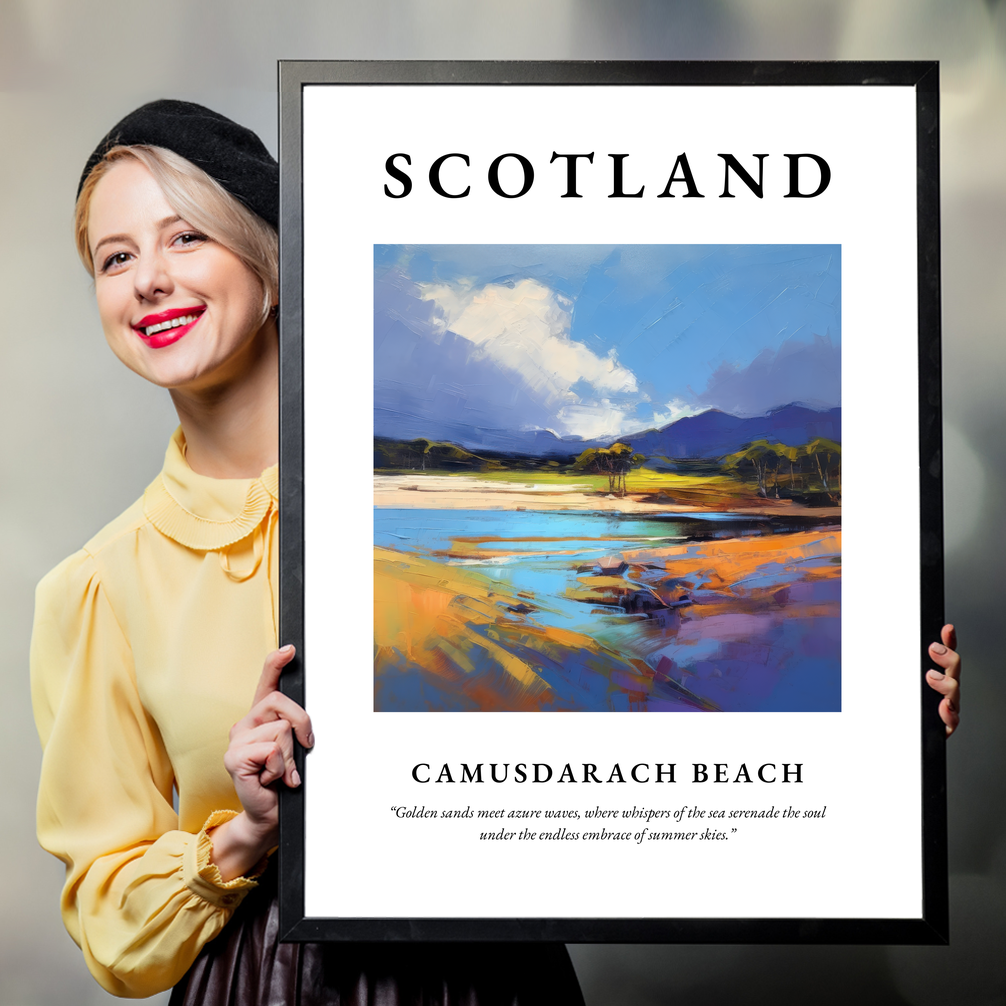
203, 513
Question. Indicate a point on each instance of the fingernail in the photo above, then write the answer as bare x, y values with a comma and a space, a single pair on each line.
938, 648
951, 706
287, 649
295, 777
936, 675
310, 740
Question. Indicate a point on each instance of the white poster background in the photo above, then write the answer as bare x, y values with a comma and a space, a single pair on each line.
863, 860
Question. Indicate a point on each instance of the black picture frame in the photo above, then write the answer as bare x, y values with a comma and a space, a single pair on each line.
932, 926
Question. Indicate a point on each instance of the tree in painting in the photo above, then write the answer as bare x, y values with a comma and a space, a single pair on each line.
614, 462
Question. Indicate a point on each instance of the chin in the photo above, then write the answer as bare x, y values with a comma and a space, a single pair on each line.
170, 374
191, 364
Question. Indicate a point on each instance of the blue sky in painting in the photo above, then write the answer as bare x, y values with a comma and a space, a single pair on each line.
598, 341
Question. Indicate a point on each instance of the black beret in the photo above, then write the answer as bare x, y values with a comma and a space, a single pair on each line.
231, 154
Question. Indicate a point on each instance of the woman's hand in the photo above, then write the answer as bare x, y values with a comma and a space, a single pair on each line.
260, 753
948, 681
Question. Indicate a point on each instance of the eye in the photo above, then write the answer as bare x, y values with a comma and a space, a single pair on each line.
115, 261
189, 239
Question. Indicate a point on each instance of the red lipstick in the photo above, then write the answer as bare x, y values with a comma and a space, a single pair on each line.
166, 325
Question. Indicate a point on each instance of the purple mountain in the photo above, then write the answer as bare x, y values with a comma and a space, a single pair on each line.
714, 434
711, 434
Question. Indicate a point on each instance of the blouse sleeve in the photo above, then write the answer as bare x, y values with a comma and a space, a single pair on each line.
141, 898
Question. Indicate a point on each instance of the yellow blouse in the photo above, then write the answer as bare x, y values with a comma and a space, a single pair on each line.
147, 647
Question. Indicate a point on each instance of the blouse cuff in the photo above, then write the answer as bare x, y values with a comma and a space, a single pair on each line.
202, 876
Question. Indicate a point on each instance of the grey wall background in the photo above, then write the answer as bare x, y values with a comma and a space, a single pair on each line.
82, 436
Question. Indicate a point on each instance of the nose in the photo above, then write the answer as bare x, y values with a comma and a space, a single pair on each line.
152, 276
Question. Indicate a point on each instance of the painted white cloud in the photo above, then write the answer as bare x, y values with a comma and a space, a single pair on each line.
677, 408
524, 328
596, 420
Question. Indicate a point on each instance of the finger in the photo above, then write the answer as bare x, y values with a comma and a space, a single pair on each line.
261, 760
271, 670
280, 733
947, 686
948, 659
949, 707
950, 716
949, 636
276, 706
274, 766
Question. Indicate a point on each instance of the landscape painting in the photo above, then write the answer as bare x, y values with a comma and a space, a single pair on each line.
607, 478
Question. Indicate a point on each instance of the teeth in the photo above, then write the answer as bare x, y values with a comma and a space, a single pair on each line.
174, 323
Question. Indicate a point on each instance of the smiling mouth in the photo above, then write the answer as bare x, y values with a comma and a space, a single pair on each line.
167, 321
185, 319
167, 327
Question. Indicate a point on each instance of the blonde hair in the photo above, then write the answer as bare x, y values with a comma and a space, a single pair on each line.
199, 200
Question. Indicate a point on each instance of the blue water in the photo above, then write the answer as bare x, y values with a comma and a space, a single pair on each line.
435, 530
753, 658
548, 569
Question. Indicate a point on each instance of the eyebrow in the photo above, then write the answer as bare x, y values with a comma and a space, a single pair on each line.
160, 225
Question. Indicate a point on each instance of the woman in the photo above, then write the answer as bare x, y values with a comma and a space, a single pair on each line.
148, 643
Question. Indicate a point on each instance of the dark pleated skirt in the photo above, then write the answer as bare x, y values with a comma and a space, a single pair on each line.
246, 965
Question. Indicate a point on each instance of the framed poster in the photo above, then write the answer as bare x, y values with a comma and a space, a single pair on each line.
611, 501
